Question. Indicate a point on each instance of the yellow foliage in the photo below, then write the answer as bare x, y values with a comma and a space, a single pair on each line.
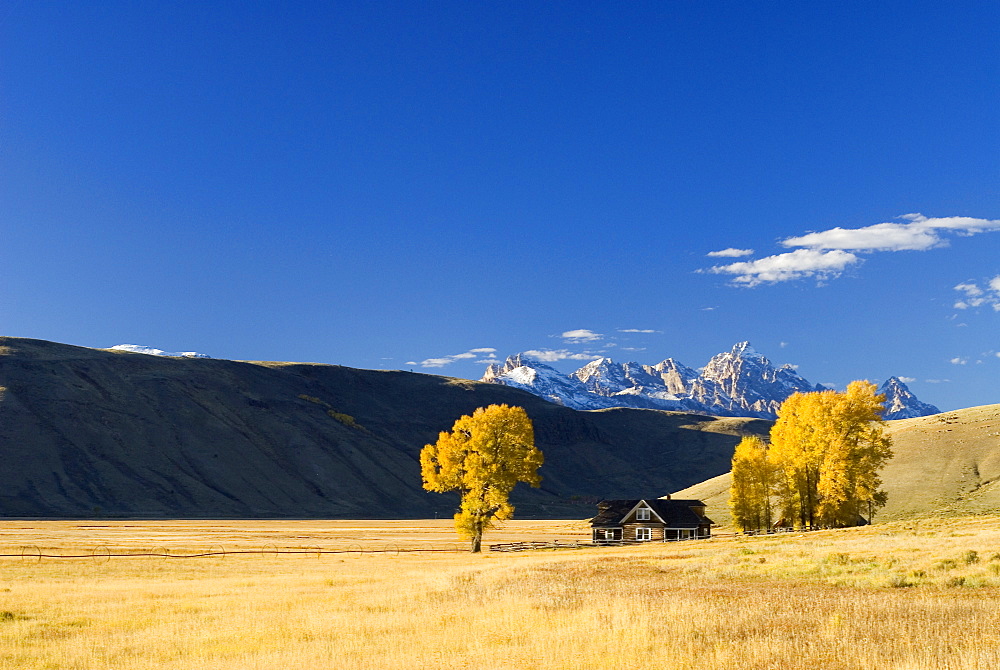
829, 448
483, 457
753, 475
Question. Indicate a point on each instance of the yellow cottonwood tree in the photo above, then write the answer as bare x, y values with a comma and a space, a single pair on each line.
752, 484
796, 449
829, 448
857, 449
483, 457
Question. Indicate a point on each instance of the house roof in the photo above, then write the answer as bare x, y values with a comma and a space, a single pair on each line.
675, 513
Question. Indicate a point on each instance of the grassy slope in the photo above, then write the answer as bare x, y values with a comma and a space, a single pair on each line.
948, 463
99, 432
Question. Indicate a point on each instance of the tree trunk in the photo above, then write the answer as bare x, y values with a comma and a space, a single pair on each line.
477, 542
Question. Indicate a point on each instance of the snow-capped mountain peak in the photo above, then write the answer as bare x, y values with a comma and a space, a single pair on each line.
740, 382
900, 403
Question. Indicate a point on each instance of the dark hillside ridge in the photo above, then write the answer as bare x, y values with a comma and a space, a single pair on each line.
90, 432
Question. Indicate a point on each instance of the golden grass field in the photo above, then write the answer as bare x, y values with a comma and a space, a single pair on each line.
907, 595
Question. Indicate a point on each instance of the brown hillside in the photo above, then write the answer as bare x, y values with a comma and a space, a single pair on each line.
86, 431
945, 464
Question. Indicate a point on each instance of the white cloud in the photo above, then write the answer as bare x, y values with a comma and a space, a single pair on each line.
435, 362
975, 295
880, 237
797, 264
442, 361
730, 253
969, 289
959, 361
825, 254
907, 380
552, 355
637, 330
918, 234
580, 336
152, 351
938, 381
783, 344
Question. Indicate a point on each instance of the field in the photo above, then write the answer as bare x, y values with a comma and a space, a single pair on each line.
907, 595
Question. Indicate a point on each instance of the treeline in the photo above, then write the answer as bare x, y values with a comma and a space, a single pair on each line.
821, 465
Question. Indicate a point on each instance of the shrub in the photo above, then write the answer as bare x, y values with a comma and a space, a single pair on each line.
898, 581
345, 419
971, 556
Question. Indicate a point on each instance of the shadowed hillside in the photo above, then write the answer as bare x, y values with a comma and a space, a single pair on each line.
945, 464
90, 432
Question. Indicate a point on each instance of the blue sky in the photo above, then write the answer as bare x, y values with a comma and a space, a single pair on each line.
399, 185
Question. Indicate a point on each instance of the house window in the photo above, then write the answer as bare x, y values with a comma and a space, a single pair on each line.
609, 535
643, 534
642, 514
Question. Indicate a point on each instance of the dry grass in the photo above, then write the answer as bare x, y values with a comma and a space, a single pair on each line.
905, 596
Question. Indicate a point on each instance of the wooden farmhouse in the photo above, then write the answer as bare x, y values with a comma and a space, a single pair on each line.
650, 520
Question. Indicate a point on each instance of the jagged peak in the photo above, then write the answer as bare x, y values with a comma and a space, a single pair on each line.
599, 362
744, 349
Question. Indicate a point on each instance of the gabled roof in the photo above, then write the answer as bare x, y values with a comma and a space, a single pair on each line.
675, 513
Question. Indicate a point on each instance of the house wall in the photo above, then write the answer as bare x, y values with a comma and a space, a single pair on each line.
630, 528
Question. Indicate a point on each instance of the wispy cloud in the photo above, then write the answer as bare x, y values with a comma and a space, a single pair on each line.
442, 361
907, 380
730, 253
826, 254
974, 295
797, 264
918, 234
552, 355
958, 360
638, 330
581, 336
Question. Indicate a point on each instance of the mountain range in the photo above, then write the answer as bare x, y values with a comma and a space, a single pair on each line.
740, 382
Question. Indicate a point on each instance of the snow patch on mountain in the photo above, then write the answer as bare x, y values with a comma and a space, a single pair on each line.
740, 382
